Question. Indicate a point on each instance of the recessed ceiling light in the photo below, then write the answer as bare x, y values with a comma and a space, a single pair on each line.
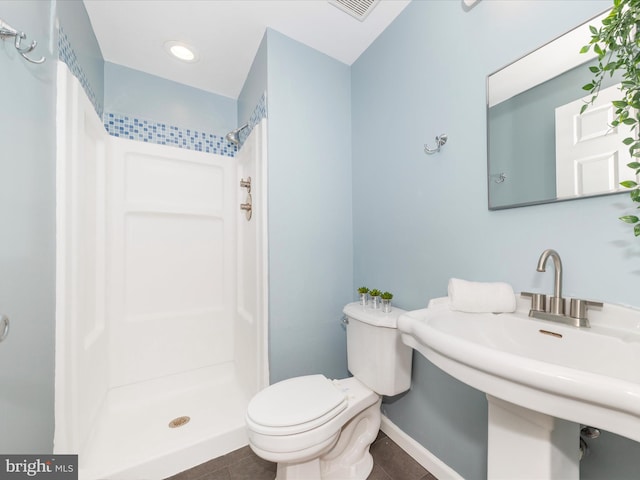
181, 51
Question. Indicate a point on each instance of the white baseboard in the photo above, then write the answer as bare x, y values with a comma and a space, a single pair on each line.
420, 454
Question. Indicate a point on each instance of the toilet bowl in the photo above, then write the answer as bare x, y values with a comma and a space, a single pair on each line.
315, 428
307, 420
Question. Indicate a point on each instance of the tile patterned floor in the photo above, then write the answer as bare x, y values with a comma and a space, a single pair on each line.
390, 462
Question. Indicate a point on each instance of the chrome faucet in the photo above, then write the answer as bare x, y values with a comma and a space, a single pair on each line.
577, 313
556, 303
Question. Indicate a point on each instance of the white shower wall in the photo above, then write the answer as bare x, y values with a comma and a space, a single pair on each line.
82, 358
172, 254
251, 336
161, 301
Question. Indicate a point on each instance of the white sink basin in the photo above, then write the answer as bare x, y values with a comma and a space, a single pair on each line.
583, 375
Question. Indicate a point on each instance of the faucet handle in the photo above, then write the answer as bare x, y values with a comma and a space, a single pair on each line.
578, 307
538, 301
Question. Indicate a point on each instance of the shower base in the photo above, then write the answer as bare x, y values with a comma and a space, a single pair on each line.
132, 439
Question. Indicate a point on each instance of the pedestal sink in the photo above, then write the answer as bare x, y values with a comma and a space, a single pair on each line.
542, 379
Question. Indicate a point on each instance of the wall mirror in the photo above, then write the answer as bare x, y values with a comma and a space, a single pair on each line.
540, 149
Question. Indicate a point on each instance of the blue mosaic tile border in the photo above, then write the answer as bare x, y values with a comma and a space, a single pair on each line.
163, 134
259, 112
67, 55
143, 130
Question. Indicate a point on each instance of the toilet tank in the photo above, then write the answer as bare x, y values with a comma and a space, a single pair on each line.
375, 353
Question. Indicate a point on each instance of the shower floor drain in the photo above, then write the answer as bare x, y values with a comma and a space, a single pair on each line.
179, 422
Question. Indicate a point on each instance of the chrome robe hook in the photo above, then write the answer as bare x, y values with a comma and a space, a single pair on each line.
7, 31
440, 141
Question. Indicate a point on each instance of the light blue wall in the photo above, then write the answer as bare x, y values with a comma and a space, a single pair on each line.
74, 21
255, 84
310, 231
141, 95
419, 220
27, 243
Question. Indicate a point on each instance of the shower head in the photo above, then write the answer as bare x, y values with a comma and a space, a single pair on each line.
233, 135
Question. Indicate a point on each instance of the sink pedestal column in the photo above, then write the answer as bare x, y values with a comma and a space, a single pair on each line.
523, 443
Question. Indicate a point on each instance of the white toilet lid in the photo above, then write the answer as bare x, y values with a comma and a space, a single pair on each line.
297, 401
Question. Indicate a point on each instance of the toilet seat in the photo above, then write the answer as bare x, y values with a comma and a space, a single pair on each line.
295, 405
314, 437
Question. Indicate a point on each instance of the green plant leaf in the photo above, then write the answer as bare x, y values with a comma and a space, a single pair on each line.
630, 219
617, 46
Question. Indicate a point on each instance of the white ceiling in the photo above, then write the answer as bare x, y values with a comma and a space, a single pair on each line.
226, 34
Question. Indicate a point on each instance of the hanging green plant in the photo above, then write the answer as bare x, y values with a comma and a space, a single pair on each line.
618, 50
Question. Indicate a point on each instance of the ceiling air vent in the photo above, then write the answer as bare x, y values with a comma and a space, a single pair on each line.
356, 8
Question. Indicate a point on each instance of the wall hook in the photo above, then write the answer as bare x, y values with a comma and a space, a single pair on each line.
440, 141
7, 31
499, 177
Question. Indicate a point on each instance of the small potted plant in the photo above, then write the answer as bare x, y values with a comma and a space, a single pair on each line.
375, 298
364, 297
386, 301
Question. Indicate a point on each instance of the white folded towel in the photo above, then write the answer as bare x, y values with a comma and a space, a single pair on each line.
480, 297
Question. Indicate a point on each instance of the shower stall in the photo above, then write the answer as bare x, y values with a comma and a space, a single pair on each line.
161, 317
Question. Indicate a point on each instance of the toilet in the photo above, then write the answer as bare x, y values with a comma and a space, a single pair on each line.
316, 428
